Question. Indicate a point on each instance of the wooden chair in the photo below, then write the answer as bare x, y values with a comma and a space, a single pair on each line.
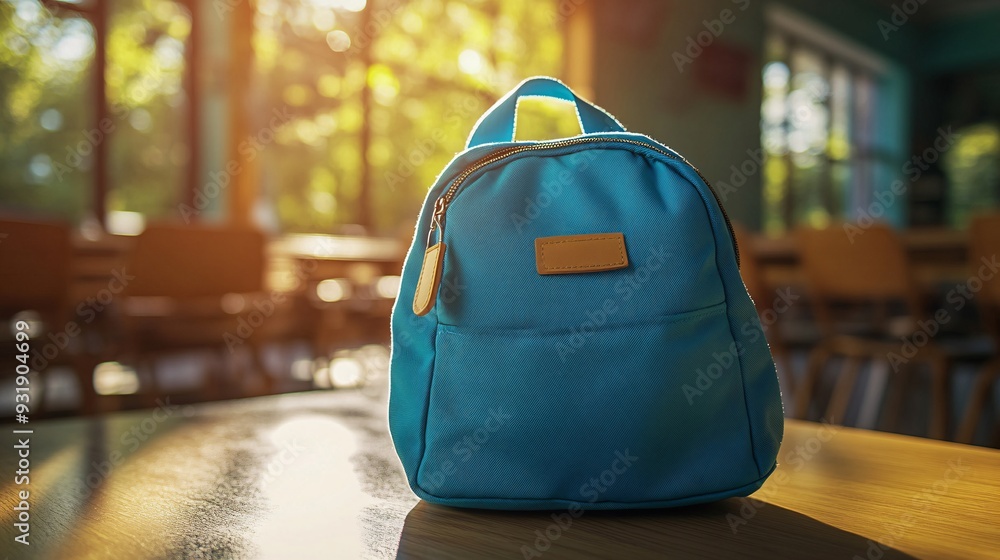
176, 299
984, 244
869, 268
36, 275
763, 299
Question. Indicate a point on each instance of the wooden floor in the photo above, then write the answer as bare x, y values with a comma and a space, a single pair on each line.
313, 475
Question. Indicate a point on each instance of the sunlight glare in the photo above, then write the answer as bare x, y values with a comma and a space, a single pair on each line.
338, 41
112, 378
333, 289
353, 5
470, 62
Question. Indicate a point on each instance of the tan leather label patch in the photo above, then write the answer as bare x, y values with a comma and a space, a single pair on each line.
429, 279
575, 254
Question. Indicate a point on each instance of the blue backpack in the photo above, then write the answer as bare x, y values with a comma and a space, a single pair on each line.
572, 329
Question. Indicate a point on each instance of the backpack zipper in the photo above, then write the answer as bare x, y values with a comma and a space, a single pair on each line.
442, 203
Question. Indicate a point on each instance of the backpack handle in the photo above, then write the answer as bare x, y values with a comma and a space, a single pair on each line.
497, 124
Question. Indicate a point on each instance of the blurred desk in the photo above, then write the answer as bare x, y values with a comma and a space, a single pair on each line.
938, 257
98, 255
301, 258
351, 281
314, 476
338, 247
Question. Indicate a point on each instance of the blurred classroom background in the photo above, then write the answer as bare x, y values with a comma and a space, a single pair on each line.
211, 200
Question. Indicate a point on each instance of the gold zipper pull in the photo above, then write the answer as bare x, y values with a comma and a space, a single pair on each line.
437, 221
430, 269
429, 280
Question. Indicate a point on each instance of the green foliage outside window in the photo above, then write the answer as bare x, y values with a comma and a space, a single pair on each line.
45, 72
973, 169
435, 67
432, 68
48, 128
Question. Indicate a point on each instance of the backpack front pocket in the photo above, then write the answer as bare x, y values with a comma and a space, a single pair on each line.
598, 413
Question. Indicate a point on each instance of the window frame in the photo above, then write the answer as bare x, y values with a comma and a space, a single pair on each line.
97, 13
868, 152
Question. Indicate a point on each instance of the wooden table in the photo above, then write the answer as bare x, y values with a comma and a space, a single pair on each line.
369, 265
97, 255
313, 475
938, 256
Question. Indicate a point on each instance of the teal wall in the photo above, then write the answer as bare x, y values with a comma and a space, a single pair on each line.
640, 83
858, 20
961, 44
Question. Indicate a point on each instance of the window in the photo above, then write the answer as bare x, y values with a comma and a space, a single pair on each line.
149, 146
46, 87
817, 129
100, 108
972, 166
381, 96
68, 136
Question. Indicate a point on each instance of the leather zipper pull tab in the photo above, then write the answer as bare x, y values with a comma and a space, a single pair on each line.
429, 280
